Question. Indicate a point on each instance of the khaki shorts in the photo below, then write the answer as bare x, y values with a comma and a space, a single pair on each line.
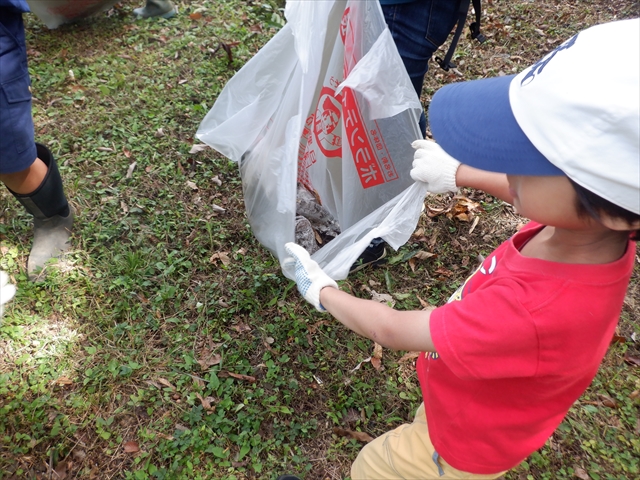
407, 453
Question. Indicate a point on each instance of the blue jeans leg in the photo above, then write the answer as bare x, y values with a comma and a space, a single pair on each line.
418, 29
17, 146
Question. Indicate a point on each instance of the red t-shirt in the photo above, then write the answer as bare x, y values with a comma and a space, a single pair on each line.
522, 344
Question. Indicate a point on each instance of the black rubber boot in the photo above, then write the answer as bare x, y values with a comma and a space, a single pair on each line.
52, 216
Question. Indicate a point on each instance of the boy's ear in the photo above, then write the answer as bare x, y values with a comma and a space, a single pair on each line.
619, 224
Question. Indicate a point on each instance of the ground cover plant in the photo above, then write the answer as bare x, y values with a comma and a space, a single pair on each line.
168, 345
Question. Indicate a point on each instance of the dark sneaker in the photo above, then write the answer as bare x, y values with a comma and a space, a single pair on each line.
374, 254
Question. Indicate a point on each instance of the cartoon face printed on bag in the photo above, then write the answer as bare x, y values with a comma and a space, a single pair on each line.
327, 124
330, 117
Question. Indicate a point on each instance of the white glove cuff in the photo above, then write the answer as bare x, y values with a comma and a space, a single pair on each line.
449, 170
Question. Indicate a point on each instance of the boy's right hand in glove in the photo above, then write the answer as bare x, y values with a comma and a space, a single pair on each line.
7, 291
309, 276
435, 167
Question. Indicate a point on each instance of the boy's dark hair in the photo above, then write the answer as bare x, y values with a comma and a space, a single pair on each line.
592, 205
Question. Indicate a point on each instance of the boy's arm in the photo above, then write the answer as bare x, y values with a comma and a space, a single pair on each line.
389, 327
495, 184
397, 330
443, 173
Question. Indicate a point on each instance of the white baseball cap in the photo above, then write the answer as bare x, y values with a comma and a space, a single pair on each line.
576, 112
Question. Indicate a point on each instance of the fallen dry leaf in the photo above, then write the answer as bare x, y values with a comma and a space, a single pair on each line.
444, 271
422, 255
206, 402
608, 401
198, 148
222, 256
216, 180
435, 211
633, 361
209, 361
166, 383
360, 436
227, 48
376, 358
409, 356
382, 298
238, 376
241, 327
130, 169
474, 225
312, 328
357, 367
61, 470
79, 454
192, 185
131, 447
376, 362
618, 339
412, 264
581, 473
424, 304
63, 381
460, 208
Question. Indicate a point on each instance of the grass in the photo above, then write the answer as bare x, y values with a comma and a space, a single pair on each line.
148, 356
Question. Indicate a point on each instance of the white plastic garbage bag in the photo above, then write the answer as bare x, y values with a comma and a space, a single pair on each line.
54, 13
328, 104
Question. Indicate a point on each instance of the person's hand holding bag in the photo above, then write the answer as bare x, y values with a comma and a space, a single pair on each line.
435, 167
310, 278
7, 291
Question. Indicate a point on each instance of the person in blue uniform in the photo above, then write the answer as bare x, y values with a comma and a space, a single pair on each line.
27, 168
419, 28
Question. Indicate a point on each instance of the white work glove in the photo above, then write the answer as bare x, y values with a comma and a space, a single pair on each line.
435, 167
7, 291
309, 276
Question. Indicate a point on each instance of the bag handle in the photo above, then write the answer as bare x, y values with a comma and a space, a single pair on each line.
446, 64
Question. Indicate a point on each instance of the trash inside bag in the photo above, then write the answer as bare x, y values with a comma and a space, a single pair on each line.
54, 13
321, 122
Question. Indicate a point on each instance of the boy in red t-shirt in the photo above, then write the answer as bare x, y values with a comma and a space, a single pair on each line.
521, 340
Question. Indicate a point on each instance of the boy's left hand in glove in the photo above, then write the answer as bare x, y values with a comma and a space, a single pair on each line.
309, 276
435, 167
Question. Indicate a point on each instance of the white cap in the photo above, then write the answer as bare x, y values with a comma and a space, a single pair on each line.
580, 107
576, 112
